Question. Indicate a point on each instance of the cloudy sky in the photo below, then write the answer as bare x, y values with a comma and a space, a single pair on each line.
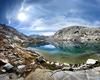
44, 17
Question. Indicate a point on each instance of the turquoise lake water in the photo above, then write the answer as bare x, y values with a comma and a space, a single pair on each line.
69, 52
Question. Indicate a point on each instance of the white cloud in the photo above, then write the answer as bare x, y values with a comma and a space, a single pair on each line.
44, 26
97, 23
47, 33
38, 22
49, 17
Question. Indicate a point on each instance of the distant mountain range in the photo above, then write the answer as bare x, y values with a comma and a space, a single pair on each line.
71, 33
38, 36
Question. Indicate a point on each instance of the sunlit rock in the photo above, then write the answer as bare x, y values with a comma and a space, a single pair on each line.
91, 61
57, 64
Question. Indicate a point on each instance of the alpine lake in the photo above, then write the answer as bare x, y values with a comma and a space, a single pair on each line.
68, 52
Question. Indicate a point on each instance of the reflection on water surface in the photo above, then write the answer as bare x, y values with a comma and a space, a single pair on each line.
71, 52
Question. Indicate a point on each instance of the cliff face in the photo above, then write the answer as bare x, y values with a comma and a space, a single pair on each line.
78, 33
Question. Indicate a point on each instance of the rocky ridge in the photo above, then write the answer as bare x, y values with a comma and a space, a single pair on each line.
78, 33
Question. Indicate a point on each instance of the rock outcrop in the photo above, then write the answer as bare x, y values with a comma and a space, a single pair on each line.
78, 33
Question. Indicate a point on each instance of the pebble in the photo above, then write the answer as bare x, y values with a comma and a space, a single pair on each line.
21, 66
48, 62
8, 67
65, 68
33, 63
3, 70
66, 64
57, 64
52, 63
40, 59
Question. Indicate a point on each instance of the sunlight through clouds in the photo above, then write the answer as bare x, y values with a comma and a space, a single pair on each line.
22, 16
41, 16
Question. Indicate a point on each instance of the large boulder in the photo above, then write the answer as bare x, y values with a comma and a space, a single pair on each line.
44, 74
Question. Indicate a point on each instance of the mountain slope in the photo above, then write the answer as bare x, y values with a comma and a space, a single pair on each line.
12, 33
78, 33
